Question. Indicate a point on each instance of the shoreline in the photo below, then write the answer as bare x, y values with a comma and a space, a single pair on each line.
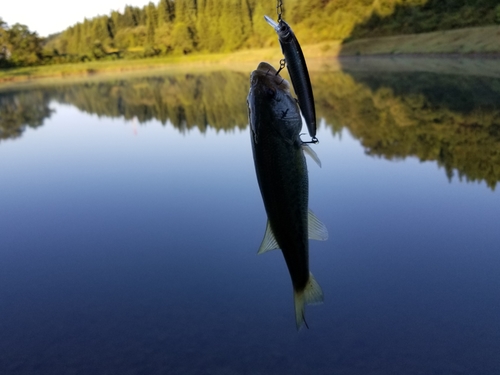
459, 44
461, 64
243, 66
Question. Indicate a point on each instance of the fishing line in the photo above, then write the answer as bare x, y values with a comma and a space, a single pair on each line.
279, 9
279, 12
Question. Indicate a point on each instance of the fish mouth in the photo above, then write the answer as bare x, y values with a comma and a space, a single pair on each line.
267, 75
266, 68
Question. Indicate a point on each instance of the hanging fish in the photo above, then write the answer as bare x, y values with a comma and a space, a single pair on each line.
281, 170
299, 74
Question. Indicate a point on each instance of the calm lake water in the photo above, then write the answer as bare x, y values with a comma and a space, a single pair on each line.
130, 218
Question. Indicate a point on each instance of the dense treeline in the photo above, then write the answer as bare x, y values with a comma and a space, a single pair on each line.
186, 26
452, 120
19, 46
400, 17
227, 25
180, 26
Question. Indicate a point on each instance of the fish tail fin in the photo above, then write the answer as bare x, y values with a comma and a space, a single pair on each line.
311, 295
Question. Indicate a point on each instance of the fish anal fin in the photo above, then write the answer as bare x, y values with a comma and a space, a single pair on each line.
269, 241
311, 295
309, 151
316, 229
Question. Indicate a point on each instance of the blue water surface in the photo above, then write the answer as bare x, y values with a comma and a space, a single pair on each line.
130, 248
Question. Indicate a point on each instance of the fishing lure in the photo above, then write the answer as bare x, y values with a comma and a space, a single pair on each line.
297, 68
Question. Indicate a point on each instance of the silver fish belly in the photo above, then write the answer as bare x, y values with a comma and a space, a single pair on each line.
283, 180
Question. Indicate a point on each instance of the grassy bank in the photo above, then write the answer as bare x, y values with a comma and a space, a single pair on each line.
242, 60
117, 66
94, 67
472, 40
477, 40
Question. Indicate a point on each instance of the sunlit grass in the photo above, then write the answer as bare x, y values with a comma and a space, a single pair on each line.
92, 67
241, 60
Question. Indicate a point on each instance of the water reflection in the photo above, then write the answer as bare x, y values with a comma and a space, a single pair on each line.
21, 109
187, 101
451, 119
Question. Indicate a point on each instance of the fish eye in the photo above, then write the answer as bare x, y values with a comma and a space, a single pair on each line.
271, 91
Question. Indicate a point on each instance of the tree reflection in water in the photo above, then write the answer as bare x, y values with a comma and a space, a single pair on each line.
451, 119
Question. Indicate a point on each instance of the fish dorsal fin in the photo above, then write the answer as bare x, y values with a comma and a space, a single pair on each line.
269, 242
316, 229
309, 151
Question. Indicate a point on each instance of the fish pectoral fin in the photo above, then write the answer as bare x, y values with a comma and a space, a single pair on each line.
269, 241
315, 228
311, 295
309, 151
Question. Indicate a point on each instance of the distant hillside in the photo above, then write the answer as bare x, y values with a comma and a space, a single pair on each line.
469, 40
419, 16
188, 26
185, 26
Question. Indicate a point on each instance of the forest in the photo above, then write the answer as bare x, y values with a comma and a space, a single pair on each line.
451, 120
219, 26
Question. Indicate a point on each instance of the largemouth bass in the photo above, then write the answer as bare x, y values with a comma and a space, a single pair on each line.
282, 175
297, 68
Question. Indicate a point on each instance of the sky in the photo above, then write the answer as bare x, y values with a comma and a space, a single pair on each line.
51, 16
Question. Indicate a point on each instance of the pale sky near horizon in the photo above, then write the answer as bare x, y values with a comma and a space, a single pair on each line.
51, 16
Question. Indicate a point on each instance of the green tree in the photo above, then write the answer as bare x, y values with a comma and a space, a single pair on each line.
208, 26
151, 25
19, 46
182, 38
262, 34
235, 24
184, 32
166, 12
129, 18
100, 31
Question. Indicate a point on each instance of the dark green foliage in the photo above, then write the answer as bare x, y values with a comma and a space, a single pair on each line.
165, 12
497, 14
416, 16
151, 23
186, 26
19, 46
